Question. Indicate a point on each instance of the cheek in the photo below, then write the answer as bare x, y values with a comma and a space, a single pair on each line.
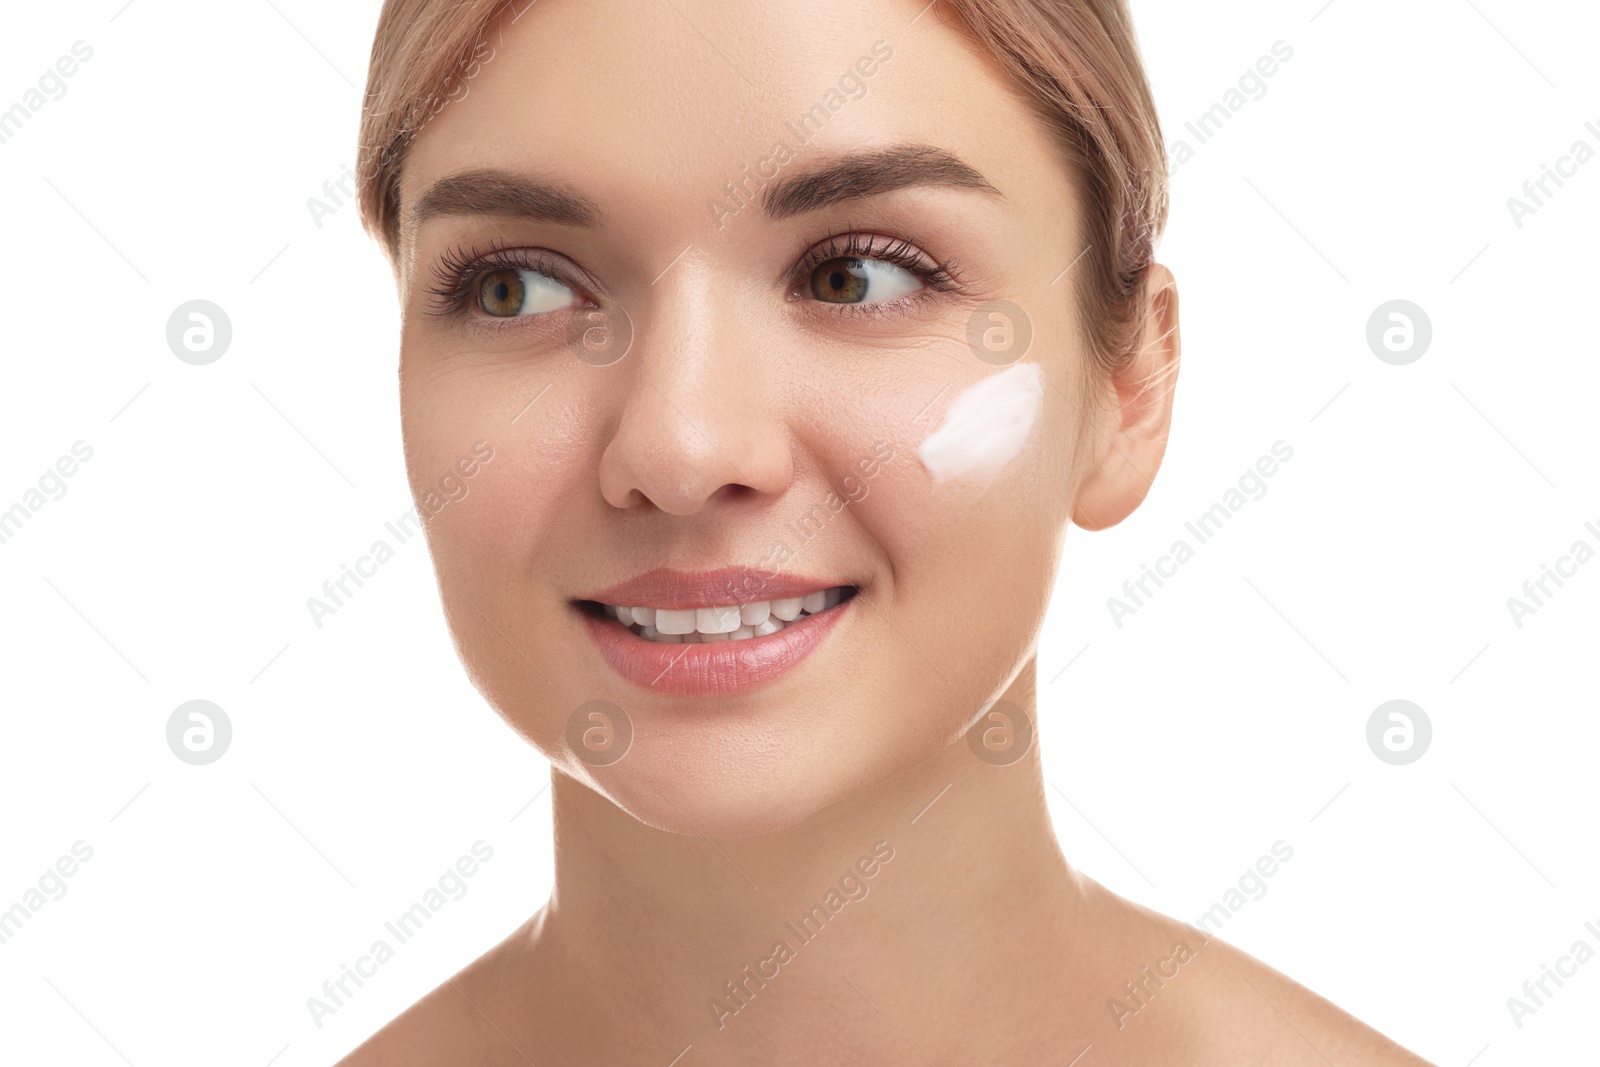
513, 507
540, 456
971, 568
985, 524
967, 569
971, 584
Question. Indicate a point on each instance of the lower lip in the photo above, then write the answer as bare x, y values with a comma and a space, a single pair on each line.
720, 668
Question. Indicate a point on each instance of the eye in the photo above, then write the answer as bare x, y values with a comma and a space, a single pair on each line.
861, 273
858, 280
509, 292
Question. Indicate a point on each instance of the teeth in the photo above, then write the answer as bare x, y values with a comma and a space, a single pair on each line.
717, 620
675, 622
734, 622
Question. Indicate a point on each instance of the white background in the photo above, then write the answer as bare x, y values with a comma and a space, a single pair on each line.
1227, 714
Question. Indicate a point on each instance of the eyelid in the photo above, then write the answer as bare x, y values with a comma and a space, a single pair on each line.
935, 275
456, 271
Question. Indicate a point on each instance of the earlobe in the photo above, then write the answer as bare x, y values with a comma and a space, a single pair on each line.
1130, 436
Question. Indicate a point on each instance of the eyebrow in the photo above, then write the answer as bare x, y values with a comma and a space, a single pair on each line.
871, 173
498, 192
854, 176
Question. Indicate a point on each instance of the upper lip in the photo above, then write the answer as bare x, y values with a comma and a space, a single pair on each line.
723, 587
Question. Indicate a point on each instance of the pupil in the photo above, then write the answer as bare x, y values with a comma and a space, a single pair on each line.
836, 279
501, 291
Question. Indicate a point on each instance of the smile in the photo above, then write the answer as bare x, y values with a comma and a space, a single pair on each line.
692, 642
733, 622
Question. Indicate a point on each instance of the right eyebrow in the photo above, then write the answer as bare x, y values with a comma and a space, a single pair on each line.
499, 192
872, 172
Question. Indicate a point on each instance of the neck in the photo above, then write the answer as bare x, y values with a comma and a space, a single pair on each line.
721, 939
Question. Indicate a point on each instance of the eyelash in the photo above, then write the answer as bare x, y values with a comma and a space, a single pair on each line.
458, 271
456, 275
936, 276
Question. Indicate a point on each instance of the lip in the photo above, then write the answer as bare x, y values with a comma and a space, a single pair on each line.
721, 668
677, 590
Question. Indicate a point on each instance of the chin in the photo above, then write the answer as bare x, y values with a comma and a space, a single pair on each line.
720, 815
734, 786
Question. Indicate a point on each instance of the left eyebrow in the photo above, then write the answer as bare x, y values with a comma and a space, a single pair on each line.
871, 173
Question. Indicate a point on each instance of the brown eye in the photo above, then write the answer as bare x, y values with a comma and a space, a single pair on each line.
840, 281
508, 293
501, 292
861, 280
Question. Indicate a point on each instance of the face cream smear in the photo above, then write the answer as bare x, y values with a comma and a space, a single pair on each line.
986, 427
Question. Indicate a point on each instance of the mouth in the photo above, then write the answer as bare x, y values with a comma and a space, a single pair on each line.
730, 622
684, 642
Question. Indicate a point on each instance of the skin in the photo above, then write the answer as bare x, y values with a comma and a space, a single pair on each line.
735, 410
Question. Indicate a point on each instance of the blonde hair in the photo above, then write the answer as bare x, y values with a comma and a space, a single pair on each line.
1077, 61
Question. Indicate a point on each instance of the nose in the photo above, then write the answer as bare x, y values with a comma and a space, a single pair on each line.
700, 418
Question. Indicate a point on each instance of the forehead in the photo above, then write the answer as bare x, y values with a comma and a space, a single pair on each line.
653, 109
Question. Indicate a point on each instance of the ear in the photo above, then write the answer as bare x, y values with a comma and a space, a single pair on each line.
1131, 430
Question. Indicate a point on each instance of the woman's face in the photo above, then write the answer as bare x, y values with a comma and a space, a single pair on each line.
670, 366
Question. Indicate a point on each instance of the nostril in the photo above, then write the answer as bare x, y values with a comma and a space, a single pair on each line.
736, 492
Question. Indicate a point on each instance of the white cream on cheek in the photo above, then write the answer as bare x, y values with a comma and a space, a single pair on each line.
986, 427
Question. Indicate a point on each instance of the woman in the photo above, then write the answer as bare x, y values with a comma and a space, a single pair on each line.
794, 337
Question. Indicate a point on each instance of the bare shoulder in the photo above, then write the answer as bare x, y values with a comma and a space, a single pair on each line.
464, 1020
1198, 1000
1289, 1023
